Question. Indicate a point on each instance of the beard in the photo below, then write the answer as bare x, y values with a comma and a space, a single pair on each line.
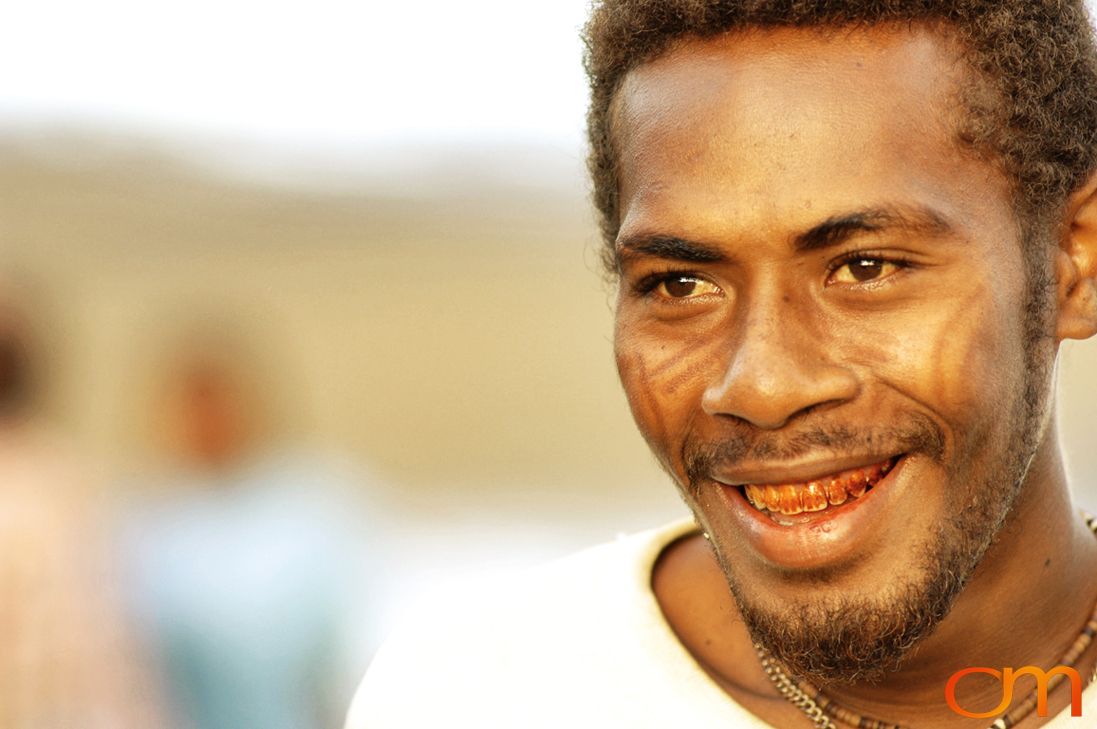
845, 639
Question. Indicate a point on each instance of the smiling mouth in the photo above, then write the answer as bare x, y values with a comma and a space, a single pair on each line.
818, 494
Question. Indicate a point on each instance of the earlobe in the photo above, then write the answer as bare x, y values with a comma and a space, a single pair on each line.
1076, 267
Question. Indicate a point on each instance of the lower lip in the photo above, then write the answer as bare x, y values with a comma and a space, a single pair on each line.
827, 538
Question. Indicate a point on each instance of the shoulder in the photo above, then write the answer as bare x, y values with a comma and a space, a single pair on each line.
579, 642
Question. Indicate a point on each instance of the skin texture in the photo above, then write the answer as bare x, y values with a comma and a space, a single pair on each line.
759, 173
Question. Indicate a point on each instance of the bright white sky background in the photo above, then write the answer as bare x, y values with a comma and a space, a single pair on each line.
328, 75
325, 71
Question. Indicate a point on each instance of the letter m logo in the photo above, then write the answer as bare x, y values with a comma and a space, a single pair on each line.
1046, 681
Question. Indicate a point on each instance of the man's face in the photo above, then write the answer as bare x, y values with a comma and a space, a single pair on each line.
820, 310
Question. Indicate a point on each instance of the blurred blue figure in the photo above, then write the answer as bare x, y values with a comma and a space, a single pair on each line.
247, 567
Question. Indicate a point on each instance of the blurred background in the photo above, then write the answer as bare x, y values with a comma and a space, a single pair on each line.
300, 317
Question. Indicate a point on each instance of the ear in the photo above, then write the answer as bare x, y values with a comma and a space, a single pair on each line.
1076, 266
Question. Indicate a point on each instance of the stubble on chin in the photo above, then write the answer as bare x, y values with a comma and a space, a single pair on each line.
846, 639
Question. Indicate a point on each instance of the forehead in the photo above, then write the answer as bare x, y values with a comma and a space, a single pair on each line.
778, 127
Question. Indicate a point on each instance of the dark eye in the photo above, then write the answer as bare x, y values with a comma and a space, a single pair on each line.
860, 270
678, 286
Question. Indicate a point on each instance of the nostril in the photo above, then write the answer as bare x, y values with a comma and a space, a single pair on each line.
766, 404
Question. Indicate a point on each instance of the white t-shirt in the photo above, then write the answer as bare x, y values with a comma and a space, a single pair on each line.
580, 643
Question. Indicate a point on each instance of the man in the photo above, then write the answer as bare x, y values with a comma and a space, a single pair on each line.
849, 237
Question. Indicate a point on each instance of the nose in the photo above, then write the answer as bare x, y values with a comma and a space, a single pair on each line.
779, 367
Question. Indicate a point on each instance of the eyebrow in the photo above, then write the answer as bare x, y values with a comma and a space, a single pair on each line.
838, 229
833, 231
666, 246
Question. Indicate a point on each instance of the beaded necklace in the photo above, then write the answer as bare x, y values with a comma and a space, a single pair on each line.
824, 711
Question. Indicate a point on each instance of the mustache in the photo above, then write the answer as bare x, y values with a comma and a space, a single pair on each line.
917, 433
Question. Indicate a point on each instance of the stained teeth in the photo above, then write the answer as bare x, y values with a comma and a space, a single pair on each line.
856, 485
836, 492
772, 498
813, 498
792, 499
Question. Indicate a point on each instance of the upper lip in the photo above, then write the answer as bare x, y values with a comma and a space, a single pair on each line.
786, 473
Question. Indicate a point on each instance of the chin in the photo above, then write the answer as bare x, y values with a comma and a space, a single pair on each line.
854, 625
847, 639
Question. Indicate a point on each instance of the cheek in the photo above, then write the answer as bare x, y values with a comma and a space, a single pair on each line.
664, 379
959, 357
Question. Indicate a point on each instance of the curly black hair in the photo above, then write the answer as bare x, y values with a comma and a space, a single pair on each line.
1035, 114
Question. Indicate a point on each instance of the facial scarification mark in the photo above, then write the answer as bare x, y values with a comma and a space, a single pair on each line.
676, 371
634, 367
667, 363
686, 375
